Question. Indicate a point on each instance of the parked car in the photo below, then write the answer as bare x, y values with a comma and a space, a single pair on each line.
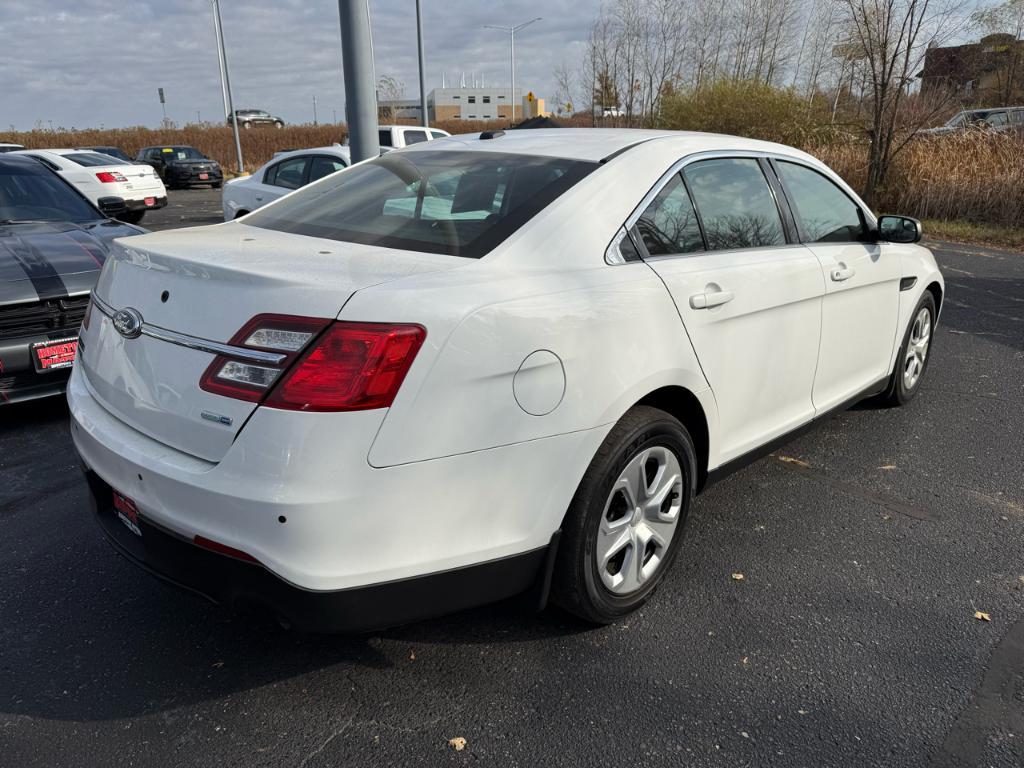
999, 119
10, 147
397, 136
495, 363
116, 152
285, 172
248, 118
53, 241
182, 166
98, 176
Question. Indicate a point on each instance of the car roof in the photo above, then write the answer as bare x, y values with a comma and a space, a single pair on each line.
596, 144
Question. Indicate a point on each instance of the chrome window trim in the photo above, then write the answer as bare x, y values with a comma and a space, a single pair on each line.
194, 342
723, 154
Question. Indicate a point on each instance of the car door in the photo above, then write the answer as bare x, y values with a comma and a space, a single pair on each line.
750, 299
323, 165
280, 179
862, 283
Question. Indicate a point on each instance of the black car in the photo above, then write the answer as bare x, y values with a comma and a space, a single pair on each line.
53, 242
182, 166
248, 118
117, 152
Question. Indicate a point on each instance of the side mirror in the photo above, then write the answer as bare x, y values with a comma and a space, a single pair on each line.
111, 207
899, 229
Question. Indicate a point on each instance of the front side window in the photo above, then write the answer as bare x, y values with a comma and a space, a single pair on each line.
997, 119
826, 213
735, 203
415, 137
669, 223
456, 203
288, 173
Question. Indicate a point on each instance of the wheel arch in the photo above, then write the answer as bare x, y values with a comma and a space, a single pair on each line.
242, 212
936, 291
684, 406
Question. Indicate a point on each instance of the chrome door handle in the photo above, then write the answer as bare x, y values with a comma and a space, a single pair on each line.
711, 299
842, 273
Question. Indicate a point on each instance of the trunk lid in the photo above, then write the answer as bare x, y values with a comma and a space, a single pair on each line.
207, 283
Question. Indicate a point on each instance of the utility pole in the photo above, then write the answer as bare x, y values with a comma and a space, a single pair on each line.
220, 60
227, 85
512, 55
360, 88
423, 80
314, 110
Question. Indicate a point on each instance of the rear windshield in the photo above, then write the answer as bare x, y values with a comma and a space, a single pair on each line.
93, 159
457, 203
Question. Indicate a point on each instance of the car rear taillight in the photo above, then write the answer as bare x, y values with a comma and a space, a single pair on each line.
109, 177
344, 366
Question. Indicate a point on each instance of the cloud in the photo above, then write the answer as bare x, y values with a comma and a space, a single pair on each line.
92, 63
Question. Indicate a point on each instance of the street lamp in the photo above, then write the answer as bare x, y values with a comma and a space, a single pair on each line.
226, 83
512, 34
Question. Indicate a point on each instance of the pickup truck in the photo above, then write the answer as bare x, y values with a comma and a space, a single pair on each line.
398, 136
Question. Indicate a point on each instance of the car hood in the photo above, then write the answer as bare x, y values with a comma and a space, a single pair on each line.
53, 259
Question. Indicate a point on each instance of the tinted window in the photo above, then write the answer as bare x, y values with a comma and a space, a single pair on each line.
438, 134
669, 223
415, 137
288, 173
458, 203
736, 206
38, 195
826, 213
170, 154
997, 119
384, 138
93, 159
322, 165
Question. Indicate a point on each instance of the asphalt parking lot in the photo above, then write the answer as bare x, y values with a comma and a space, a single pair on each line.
866, 548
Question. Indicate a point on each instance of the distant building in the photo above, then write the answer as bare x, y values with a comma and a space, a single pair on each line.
465, 104
987, 73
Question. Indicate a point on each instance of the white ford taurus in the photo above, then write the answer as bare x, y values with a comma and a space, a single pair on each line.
483, 365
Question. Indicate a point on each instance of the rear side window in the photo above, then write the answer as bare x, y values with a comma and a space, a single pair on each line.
438, 135
289, 173
322, 165
735, 203
415, 137
669, 223
384, 137
826, 214
457, 203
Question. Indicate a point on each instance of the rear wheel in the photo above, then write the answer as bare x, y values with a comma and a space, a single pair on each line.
912, 361
132, 217
625, 523
278, 124
247, 124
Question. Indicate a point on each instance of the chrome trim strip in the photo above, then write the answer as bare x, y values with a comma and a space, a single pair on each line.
194, 342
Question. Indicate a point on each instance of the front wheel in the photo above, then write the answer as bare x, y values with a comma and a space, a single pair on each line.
278, 124
912, 361
625, 523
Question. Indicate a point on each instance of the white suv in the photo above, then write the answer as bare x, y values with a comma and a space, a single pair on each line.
497, 362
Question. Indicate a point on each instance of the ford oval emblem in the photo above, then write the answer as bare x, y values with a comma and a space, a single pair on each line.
127, 322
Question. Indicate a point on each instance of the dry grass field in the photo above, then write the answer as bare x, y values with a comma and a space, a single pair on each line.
973, 178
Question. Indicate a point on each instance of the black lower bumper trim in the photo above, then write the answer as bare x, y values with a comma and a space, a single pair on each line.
233, 582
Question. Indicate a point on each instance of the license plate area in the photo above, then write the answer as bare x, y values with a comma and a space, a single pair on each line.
55, 354
126, 512
150, 201
204, 176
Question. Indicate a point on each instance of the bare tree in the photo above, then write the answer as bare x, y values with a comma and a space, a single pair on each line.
892, 35
565, 88
1008, 18
390, 90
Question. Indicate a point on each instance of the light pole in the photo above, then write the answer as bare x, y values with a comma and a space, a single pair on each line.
360, 93
227, 84
220, 58
423, 82
314, 110
512, 35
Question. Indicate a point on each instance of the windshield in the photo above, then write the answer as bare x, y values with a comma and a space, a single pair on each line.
28, 194
171, 154
457, 203
93, 159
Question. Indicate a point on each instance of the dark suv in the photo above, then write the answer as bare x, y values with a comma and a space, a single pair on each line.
182, 166
247, 118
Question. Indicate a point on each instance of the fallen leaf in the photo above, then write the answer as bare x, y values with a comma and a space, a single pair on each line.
802, 711
888, 466
745, 660
412, 656
458, 742
217, 664
737, 577
798, 462
982, 616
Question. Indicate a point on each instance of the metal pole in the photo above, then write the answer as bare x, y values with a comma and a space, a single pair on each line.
423, 79
220, 59
513, 55
314, 110
227, 87
360, 90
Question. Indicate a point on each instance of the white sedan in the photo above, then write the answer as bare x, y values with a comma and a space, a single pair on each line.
285, 172
476, 367
98, 176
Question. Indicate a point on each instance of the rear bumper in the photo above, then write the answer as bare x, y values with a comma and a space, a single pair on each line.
140, 203
238, 583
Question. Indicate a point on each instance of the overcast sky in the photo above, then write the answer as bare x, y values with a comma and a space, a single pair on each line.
92, 63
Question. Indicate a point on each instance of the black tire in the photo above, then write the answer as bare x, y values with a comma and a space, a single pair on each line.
131, 217
278, 124
898, 392
247, 125
577, 585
